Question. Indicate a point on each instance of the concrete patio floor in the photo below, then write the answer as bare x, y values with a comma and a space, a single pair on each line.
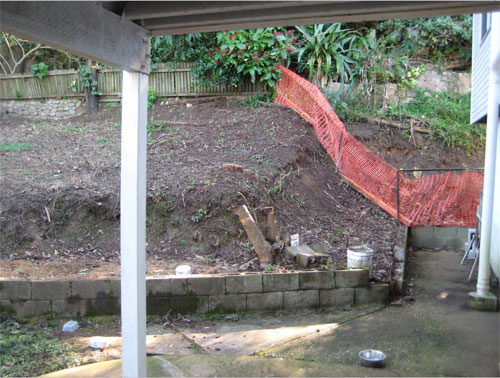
436, 334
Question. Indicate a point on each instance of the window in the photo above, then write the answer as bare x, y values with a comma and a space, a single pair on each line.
485, 25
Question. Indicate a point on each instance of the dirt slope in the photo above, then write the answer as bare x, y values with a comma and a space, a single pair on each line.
59, 201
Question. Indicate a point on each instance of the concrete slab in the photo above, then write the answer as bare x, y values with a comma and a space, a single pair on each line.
257, 332
435, 335
222, 366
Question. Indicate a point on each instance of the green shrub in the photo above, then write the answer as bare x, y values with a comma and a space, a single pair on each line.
237, 54
152, 97
439, 39
40, 70
329, 52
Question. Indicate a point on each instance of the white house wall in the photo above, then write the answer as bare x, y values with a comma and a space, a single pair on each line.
480, 71
495, 235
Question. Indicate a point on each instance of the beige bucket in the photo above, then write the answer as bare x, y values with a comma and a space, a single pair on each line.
359, 257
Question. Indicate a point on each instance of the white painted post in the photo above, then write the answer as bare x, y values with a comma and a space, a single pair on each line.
133, 223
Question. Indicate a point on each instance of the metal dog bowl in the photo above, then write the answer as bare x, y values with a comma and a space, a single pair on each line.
372, 358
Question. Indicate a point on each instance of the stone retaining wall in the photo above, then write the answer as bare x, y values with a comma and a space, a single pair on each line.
42, 109
438, 237
232, 293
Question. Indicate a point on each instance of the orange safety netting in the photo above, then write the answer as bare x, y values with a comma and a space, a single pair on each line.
446, 199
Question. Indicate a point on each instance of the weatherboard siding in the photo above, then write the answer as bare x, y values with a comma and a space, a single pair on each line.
480, 71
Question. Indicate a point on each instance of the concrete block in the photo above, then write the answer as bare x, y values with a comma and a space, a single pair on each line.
305, 256
31, 307
301, 299
399, 254
445, 232
373, 294
248, 283
337, 297
190, 304
280, 282
265, 301
291, 252
157, 306
207, 285
90, 289
424, 232
317, 280
115, 286
227, 303
71, 307
320, 247
459, 244
166, 287
101, 306
462, 233
424, 242
352, 278
6, 309
50, 290
449, 243
306, 259
15, 290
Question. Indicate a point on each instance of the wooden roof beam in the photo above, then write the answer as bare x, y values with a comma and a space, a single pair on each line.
317, 13
138, 10
82, 28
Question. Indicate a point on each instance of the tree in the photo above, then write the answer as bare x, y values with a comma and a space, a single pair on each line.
16, 52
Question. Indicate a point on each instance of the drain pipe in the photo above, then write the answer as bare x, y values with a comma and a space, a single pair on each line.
483, 298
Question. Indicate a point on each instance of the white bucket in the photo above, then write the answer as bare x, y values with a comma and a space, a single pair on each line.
183, 270
359, 257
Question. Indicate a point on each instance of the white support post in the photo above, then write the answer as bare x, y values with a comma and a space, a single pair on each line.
482, 298
133, 223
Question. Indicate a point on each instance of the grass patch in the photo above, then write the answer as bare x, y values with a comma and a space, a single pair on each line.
15, 147
447, 114
25, 352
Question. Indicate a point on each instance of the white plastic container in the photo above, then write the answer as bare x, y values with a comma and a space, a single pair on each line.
183, 270
98, 342
70, 326
359, 257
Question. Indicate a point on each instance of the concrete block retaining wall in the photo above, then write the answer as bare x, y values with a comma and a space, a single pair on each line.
232, 293
42, 109
438, 237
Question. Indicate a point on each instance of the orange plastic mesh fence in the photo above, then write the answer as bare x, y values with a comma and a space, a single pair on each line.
445, 199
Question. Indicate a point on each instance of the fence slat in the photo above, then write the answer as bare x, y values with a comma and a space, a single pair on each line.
169, 80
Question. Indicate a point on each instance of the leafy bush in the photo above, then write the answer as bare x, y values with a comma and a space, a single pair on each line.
180, 48
242, 53
40, 70
152, 97
438, 39
84, 77
328, 52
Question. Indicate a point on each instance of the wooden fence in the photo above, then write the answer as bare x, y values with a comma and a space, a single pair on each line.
169, 80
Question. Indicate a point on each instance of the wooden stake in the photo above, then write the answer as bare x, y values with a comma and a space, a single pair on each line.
272, 233
262, 247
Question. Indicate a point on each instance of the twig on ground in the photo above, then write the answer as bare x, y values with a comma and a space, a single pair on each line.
48, 214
